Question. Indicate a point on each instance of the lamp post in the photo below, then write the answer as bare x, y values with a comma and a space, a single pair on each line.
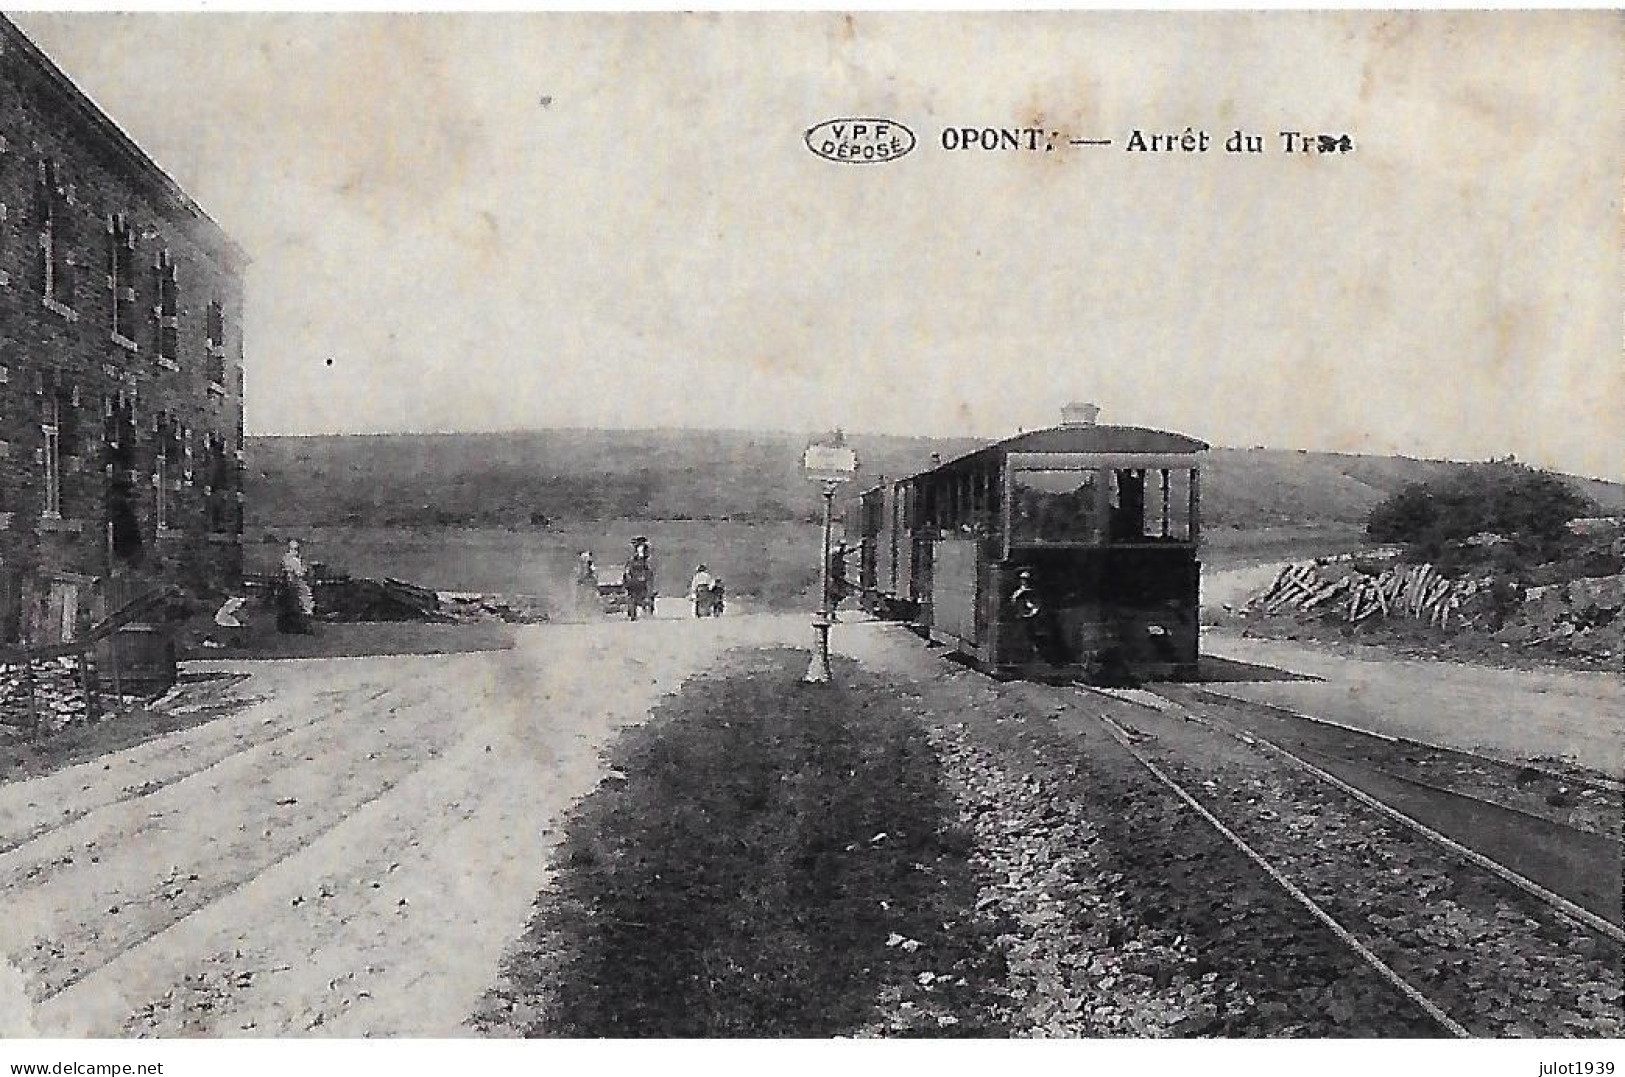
818, 668
830, 465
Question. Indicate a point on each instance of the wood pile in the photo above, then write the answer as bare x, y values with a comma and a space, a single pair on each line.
1342, 591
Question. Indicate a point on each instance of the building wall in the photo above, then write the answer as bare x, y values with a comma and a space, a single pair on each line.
121, 405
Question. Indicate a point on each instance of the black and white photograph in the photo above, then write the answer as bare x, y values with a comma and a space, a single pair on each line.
761, 526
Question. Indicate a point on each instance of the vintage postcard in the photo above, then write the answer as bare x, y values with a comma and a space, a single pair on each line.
742, 525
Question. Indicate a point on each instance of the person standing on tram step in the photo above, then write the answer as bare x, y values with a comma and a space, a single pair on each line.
1035, 619
699, 591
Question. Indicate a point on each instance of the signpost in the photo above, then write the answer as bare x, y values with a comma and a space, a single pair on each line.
830, 465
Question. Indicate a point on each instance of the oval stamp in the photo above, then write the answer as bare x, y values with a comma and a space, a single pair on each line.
860, 140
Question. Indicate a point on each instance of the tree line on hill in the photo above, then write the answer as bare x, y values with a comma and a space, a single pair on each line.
553, 477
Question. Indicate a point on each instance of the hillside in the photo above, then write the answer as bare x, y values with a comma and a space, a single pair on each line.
527, 479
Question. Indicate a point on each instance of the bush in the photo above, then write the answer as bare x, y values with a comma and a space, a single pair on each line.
1527, 507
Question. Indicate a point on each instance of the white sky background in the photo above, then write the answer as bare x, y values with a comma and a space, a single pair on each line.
657, 247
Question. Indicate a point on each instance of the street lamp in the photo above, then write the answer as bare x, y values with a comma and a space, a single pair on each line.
829, 465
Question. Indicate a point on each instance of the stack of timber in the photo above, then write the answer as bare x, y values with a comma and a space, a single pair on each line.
1345, 591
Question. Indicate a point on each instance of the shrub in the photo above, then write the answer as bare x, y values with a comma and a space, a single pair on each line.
1527, 507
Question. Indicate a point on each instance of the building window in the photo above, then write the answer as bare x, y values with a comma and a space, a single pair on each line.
160, 476
121, 277
168, 463
216, 333
166, 315
221, 491
119, 437
57, 429
53, 460
5, 213
54, 267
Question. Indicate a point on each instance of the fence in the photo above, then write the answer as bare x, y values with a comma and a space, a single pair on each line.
46, 686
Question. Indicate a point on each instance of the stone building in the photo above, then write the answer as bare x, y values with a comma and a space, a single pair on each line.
121, 365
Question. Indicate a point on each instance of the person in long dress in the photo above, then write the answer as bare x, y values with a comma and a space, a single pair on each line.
296, 605
699, 591
586, 583
638, 577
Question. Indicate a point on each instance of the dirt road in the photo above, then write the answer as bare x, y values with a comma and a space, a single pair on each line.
1512, 714
351, 852
346, 856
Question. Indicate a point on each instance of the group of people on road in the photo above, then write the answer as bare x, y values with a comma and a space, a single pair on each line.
706, 591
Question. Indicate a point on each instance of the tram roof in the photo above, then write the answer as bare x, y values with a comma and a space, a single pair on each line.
1078, 438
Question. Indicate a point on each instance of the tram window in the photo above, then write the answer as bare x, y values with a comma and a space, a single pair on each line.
1149, 504
1179, 504
1054, 506
1127, 501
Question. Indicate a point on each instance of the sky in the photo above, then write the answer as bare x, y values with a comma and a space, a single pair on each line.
510, 221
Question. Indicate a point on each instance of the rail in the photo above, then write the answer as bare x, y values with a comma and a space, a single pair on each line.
1382, 968
1574, 924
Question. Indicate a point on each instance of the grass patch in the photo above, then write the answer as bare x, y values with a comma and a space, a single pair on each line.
745, 867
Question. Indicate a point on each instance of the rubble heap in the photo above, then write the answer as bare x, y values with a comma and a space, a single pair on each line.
1581, 615
58, 697
511, 609
342, 597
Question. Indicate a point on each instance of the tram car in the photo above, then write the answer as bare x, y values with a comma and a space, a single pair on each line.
1069, 552
878, 552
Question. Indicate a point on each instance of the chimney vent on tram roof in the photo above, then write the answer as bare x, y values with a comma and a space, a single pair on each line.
1077, 414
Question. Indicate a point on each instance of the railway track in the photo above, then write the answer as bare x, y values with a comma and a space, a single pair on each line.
1477, 947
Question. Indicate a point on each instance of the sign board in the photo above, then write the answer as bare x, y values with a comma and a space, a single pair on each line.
830, 463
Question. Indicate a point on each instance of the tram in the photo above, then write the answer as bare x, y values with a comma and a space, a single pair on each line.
1069, 552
